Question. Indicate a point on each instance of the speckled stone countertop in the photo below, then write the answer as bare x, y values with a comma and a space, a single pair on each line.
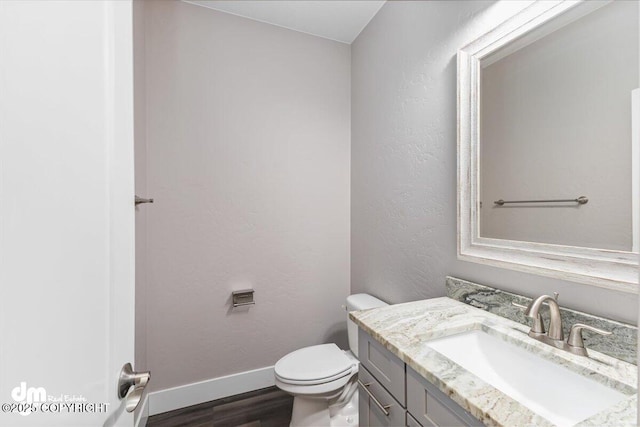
405, 329
621, 344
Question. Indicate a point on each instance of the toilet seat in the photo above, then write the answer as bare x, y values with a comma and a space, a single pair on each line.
323, 379
315, 365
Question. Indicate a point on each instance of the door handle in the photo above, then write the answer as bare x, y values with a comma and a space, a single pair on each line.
131, 385
383, 408
139, 200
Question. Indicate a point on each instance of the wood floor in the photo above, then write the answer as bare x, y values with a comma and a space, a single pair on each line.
269, 407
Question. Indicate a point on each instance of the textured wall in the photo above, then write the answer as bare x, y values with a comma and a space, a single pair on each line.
557, 123
403, 212
248, 159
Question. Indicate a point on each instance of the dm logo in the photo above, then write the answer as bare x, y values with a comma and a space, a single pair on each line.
28, 395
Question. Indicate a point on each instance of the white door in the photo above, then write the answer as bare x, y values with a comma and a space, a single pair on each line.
66, 211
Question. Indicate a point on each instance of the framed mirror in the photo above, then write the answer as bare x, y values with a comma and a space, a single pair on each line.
548, 143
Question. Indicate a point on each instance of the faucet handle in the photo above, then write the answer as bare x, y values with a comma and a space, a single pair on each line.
575, 336
538, 323
555, 296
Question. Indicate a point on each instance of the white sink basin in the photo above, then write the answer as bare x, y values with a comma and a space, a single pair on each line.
548, 389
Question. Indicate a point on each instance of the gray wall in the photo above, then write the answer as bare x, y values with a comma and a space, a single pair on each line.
556, 124
248, 159
403, 212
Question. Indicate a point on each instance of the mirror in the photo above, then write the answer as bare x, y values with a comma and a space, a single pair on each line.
548, 146
555, 124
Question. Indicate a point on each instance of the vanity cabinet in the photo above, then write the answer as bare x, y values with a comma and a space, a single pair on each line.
382, 384
393, 394
431, 408
376, 406
385, 366
411, 422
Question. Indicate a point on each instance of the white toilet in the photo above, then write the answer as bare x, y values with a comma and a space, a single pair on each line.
323, 378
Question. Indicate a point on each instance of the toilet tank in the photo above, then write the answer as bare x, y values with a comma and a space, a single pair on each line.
359, 302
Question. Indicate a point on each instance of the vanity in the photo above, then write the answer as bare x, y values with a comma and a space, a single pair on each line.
441, 362
410, 397
538, 136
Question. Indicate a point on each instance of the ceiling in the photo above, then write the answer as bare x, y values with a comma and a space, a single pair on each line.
336, 20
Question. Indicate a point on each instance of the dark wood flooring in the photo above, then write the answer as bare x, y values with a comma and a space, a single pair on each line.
269, 407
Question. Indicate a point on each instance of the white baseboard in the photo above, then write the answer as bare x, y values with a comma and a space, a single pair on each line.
143, 413
204, 391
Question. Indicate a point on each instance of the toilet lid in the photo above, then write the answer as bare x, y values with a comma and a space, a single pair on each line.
315, 364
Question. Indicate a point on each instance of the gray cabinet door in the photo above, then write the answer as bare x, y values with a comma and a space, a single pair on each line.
431, 407
385, 366
374, 400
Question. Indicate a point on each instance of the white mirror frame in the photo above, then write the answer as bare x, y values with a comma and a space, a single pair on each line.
610, 269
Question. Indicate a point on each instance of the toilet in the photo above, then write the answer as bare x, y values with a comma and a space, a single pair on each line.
323, 378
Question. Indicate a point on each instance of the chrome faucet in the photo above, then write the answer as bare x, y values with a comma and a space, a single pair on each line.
555, 323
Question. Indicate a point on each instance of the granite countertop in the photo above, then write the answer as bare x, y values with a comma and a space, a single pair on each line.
404, 329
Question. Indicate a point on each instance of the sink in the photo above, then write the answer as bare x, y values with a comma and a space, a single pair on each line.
561, 396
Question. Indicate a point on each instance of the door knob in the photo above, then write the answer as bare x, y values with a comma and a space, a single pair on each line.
131, 386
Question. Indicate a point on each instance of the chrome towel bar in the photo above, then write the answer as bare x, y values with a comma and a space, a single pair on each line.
582, 200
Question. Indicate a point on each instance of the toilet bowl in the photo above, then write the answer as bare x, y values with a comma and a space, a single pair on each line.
323, 378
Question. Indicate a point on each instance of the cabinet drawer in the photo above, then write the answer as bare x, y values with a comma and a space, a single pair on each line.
374, 400
431, 407
386, 367
411, 422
